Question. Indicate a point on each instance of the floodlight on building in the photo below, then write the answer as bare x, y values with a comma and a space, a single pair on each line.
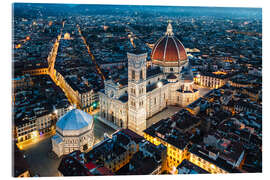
71, 107
94, 104
34, 134
212, 166
159, 84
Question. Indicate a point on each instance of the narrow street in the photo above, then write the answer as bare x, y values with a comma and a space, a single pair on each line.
90, 54
72, 98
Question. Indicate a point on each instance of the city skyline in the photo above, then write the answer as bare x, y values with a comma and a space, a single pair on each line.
136, 70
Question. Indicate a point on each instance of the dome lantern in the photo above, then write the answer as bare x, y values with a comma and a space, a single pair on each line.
169, 31
168, 51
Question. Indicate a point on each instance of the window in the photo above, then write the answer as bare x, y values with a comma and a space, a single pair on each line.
171, 69
133, 74
141, 75
121, 123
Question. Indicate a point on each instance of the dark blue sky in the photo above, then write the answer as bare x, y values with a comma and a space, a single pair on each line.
24, 9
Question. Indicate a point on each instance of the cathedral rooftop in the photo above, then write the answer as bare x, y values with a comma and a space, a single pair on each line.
136, 51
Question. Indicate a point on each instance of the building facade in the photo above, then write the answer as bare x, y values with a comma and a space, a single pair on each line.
74, 131
210, 81
145, 95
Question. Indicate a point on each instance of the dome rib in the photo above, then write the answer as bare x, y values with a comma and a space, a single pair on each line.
168, 50
74, 120
182, 48
164, 56
177, 49
157, 43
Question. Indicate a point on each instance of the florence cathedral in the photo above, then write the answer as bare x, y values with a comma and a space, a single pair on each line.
146, 94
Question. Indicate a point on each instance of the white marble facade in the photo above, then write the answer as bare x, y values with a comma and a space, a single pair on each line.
129, 106
74, 131
167, 90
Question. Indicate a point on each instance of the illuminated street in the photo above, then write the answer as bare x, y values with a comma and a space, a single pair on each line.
103, 90
31, 142
91, 55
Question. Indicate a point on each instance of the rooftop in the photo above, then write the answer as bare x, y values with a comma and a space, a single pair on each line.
74, 120
187, 167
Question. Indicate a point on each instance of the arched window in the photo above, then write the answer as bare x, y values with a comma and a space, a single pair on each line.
133, 74
112, 117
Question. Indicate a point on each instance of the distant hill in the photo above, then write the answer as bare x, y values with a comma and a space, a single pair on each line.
39, 10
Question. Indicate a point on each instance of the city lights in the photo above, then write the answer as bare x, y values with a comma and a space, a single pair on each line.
131, 88
159, 84
94, 105
34, 134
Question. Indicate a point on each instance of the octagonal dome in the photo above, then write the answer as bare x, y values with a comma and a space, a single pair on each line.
74, 120
168, 50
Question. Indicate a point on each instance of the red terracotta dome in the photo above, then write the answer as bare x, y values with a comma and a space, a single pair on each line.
168, 50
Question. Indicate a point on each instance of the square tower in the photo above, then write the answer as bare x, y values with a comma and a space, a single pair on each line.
137, 92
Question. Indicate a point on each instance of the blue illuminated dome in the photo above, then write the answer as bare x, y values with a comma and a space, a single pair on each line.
74, 120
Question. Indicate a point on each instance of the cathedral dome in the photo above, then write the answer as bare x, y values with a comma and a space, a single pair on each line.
168, 50
74, 120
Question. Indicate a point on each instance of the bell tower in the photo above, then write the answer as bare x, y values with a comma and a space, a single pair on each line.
137, 92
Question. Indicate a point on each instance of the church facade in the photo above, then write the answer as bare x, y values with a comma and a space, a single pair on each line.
148, 93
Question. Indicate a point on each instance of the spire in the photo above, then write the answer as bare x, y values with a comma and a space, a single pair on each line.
169, 29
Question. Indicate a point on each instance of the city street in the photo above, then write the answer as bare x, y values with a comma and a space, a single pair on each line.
121, 64
31, 142
40, 159
90, 54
